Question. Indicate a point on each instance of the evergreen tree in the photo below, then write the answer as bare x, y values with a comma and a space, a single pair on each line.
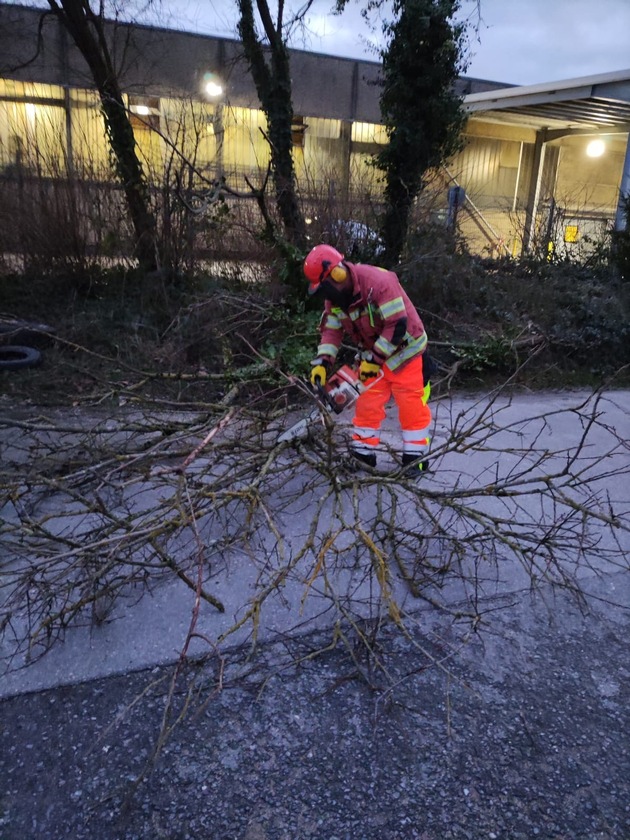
420, 108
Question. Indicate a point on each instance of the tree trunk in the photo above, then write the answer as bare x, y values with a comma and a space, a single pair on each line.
273, 85
86, 30
399, 198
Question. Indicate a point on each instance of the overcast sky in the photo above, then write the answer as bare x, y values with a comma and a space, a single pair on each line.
518, 41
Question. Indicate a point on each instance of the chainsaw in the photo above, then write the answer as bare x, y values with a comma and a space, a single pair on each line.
340, 392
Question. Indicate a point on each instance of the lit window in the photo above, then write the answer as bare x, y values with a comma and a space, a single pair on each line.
145, 112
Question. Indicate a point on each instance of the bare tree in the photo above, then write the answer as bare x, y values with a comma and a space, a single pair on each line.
270, 67
96, 509
87, 29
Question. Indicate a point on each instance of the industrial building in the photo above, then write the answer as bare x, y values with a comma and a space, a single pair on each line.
542, 166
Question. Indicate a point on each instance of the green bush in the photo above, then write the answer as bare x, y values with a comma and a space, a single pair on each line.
483, 305
485, 314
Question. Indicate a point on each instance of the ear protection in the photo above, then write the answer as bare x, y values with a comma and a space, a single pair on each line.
339, 274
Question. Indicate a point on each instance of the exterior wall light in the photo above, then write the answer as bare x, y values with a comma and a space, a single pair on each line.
212, 85
596, 148
141, 110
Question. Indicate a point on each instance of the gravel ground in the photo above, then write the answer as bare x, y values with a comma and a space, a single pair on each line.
523, 733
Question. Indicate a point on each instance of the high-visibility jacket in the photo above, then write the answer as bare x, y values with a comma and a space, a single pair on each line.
380, 319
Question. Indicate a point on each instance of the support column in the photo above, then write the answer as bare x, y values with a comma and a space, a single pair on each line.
67, 99
345, 139
218, 123
624, 192
346, 133
533, 193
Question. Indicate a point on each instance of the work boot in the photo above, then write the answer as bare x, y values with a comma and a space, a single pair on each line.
367, 458
413, 465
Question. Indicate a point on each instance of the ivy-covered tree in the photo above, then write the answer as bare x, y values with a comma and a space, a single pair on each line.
86, 27
420, 108
269, 65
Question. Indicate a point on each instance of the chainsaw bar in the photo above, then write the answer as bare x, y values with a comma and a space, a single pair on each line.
340, 392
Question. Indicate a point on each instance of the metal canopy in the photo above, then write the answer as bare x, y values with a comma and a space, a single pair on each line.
597, 104
600, 103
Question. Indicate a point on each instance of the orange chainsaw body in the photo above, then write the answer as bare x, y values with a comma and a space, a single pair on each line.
342, 389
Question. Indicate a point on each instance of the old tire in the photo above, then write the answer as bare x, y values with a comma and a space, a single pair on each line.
14, 356
16, 331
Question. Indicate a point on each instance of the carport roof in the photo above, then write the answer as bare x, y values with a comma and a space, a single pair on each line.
600, 103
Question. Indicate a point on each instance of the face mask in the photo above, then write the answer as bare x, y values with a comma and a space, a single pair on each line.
338, 294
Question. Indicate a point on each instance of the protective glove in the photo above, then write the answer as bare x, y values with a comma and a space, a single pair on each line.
319, 373
368, 370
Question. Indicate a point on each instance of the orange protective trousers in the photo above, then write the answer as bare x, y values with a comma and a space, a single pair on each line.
406, 386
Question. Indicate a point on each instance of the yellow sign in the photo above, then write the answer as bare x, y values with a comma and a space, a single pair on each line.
571, 233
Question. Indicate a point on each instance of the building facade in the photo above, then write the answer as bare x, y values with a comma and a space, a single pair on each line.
193, 106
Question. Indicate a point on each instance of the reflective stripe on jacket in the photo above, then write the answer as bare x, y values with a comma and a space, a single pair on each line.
381, 319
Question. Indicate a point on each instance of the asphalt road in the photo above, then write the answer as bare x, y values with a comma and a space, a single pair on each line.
333, 731
522, 733
521, 435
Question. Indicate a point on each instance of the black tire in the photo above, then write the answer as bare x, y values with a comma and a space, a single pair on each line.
14, 356
16, 331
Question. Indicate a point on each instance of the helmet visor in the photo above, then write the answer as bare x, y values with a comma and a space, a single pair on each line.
314, 286
315, 282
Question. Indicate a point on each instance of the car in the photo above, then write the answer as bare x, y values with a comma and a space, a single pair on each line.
356, 240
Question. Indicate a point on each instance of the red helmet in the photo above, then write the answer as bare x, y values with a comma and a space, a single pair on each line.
319, 263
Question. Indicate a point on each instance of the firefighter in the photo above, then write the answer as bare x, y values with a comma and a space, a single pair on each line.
371, 307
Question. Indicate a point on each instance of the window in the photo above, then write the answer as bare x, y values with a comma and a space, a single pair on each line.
298, 129
368, 133
145, 113
32, 127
